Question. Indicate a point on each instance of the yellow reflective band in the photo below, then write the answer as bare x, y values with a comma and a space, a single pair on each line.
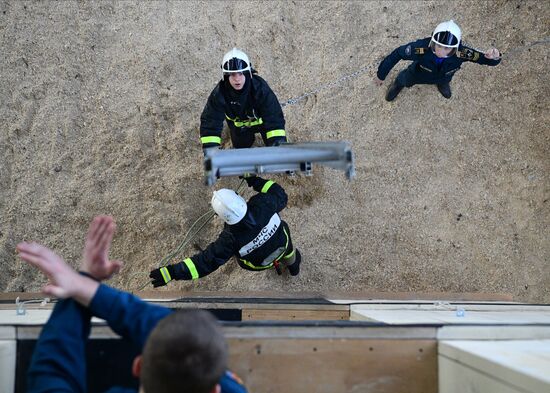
245, 123
290, 255
211, 139
165, 275
254, 267
192, 268
274, 133
267, 185
249, 123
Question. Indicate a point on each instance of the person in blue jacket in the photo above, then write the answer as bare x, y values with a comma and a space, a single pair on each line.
181, 351
253, 232
435, 60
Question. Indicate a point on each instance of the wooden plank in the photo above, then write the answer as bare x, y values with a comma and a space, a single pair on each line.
522, 364
262, 306
260, 314
336, 365
312, 331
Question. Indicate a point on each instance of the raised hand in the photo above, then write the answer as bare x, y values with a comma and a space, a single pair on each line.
95, 259
64, 281
61, 276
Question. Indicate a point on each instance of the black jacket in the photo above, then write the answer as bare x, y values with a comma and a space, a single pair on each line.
255, 107
258, 235
424, 65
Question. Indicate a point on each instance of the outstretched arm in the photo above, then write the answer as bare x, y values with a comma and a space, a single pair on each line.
59, 362
405, 52
490, 57
199, 265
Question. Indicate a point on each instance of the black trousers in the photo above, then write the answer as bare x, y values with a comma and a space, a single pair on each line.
244, 137
408, 78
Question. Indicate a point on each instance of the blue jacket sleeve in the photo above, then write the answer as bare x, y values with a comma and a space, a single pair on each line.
404, 52
465, 53
128, 315
59, 360
231, 383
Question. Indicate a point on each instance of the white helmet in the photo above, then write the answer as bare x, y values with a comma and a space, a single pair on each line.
229, 205
446, 34
235, 61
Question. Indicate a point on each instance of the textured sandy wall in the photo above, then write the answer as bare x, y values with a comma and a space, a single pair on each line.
99, 113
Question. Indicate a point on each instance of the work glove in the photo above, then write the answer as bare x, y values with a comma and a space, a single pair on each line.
162, 276
250, 178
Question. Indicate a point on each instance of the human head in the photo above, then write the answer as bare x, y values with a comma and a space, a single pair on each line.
445, 39
229, 206
235, 61
237, 80
186, 352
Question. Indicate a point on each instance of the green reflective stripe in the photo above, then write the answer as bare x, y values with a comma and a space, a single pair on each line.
165, 275
254, 267
249, 123
211, 139
290, 255
192, 268
286, 234
274, 133
245, 123
267, 185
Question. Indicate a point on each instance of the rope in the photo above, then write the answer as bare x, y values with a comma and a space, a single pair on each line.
325, 86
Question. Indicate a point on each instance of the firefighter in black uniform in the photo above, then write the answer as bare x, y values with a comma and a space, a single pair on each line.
253, 233
435, 60
246, 102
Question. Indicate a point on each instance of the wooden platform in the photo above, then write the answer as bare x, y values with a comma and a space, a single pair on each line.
251, 306
338, 343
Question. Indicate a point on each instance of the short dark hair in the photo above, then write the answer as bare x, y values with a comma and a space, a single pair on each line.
186, 352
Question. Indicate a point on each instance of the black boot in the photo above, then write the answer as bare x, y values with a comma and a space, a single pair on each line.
444, 89
393, 91
294, 269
